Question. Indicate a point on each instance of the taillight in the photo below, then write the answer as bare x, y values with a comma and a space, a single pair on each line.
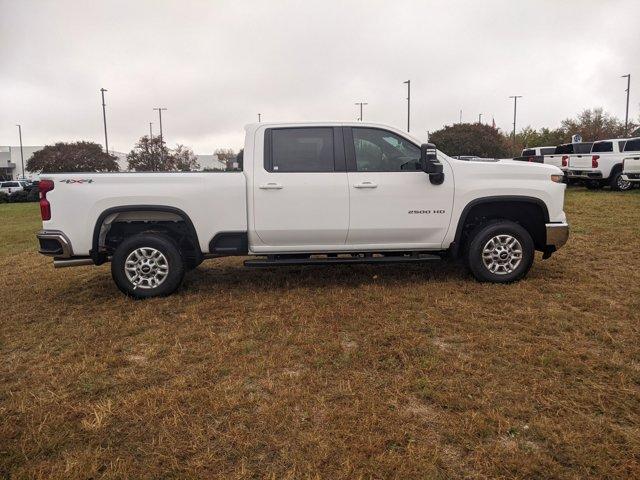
532, 159
565, 161
45, 207
594, 161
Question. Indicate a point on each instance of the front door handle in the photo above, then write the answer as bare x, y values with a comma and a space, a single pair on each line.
366, 185
271, 186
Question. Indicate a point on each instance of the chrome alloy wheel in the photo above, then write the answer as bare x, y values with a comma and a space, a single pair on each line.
623, 185
146, 268
502, 254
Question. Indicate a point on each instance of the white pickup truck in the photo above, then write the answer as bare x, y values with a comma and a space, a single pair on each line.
603, 165
631, 161
309, 193
563, 154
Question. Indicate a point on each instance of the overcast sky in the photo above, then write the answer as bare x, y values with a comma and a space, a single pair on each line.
215, 65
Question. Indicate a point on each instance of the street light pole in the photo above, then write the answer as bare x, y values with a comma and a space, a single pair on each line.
408, 82
160, 109
259, 117
480, 118
104, 118
21, 151
515, 107
150, 131
361, 104
626, 115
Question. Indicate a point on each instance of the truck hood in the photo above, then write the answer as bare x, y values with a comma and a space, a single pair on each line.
502, 168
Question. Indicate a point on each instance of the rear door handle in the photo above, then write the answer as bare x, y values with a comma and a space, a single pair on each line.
366, 185
271, 186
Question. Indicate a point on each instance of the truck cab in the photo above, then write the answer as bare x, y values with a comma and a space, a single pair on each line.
308, 194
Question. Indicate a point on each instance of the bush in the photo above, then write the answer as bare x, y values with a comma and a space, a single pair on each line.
4, 197
20, 197
33, 195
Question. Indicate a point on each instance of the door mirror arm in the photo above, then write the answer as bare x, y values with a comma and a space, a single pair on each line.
430, 163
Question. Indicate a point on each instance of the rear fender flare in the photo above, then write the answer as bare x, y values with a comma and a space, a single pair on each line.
99, 257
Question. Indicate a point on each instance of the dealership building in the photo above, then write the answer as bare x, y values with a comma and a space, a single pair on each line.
11, 161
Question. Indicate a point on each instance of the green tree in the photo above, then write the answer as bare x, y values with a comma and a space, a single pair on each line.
528, 137
72, 157
185, 159
595, 124
471, 139
227, 156
151, 155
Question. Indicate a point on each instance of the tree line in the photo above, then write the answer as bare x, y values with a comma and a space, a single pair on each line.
491, 142
152, 155
148, 155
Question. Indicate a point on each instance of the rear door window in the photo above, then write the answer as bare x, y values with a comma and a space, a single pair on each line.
603, 147
292, 150
547, 151
528, 152
632, 145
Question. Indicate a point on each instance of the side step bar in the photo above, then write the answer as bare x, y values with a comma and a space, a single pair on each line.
293, 261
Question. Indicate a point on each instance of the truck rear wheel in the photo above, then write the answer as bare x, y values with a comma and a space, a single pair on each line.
500, 252
147, 265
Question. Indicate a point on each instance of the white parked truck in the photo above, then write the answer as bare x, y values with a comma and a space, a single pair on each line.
563, 154
602, 166
308, 194
631, 161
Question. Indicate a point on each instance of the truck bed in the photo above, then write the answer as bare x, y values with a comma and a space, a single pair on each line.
214, 201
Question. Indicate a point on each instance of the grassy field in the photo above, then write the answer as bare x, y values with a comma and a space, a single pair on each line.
342, 372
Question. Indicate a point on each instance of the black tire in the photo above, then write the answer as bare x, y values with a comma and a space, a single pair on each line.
480, 238
169, 256
618, 184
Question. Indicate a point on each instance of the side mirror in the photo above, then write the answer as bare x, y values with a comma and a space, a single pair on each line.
430, 163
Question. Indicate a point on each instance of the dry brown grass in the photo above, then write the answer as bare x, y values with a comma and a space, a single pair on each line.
343, 372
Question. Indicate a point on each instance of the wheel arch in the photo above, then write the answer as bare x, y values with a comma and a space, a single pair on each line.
99, 257
509, 206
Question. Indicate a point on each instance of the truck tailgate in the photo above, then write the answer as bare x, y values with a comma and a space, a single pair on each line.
632, 164
580, 161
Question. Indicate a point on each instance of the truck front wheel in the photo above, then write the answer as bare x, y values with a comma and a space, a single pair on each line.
500, 252
618, 183
147, 265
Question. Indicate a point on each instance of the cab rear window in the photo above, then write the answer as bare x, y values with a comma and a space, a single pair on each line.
565, 149
584, 147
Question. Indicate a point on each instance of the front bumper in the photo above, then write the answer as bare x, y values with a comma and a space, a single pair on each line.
557, 235
54, 243
631, 177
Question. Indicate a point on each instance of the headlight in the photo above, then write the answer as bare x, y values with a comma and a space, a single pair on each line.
557, 178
